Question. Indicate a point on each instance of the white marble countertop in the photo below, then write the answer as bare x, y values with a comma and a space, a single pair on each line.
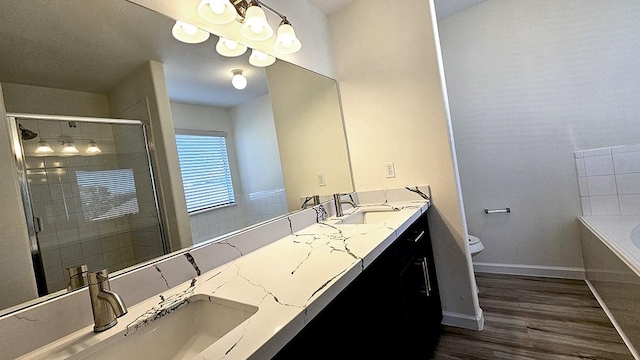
289, 280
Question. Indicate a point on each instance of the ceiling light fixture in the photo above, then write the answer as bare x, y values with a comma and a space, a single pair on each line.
43, 147
238, 80
230, 48
255, 26
92, 148
260, 59
188, 33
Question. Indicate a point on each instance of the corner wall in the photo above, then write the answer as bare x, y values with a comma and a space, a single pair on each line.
530, 83
395, 111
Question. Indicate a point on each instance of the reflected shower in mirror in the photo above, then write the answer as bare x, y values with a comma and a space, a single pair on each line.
115, 59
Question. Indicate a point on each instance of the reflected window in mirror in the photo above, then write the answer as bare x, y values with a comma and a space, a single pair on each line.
204, 165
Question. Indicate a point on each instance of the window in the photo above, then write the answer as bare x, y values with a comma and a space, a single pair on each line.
107, 194
204, 165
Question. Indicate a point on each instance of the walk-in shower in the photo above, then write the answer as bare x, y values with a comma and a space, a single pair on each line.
89, 195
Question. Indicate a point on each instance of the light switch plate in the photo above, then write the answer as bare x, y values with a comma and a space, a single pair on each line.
322, 181
389, 170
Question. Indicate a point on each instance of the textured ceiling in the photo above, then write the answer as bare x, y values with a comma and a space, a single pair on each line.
92, 45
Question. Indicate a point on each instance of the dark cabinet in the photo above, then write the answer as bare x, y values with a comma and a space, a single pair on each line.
391, 310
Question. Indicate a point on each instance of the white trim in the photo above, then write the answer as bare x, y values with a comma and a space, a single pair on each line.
463, 320
604, 307
531, 270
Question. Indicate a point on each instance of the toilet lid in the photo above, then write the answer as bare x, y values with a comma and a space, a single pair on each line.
473, 240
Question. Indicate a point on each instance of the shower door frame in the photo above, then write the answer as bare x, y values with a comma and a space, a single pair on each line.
18, 152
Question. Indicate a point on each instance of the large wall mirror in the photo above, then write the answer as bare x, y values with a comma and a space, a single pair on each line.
67, 71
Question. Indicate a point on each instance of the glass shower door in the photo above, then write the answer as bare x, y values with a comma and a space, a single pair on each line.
91, 193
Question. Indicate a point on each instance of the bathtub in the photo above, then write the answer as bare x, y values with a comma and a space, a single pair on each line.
611, 254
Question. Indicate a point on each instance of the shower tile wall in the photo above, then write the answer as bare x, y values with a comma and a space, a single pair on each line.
131, 154
249, 209
69, 238
609, 180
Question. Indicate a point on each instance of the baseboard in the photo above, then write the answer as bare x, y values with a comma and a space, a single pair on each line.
463, 321
613, 321
530, 270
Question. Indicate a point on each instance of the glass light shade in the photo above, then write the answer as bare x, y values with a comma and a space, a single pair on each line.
255, 25
286, 40
217, 11
43, 147
260, 59
188, 33
238, 80
92, 148
69, 148
230, 48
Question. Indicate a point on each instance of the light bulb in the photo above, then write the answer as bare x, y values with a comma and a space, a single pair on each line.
92, 148
217, 11
238, 80
188, 33
69, 148
43, 147
260, 59
286, 41
230, 48
255, 25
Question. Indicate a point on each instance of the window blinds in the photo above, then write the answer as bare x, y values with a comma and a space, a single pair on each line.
204, 165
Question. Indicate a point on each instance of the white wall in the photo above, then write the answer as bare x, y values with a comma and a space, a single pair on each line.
395, 110
256, 146
530, 82
309, 127
29, 99
17, 278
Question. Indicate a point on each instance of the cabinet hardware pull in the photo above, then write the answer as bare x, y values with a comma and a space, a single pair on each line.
419, 236
425, 273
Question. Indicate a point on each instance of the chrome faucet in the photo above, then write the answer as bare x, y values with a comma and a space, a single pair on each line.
306, 204
338, 202
106, 304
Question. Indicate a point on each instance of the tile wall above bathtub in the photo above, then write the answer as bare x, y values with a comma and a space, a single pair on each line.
609, 180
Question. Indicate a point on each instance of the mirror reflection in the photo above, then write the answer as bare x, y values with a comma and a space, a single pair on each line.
195, 159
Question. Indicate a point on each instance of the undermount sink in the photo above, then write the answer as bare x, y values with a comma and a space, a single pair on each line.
375, 215
179, 335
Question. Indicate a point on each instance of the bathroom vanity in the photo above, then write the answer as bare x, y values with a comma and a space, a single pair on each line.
304, 279
393, 306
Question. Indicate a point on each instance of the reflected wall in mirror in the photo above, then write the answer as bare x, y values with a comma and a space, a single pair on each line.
118, 60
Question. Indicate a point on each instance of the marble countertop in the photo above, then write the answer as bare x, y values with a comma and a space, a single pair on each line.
289, 281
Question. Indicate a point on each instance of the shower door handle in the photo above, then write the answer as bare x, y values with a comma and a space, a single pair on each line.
37, 224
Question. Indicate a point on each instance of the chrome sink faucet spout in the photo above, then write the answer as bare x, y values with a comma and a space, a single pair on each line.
338, 202
106, 304
306, 204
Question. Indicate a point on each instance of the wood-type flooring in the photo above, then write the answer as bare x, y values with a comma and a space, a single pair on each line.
534, 318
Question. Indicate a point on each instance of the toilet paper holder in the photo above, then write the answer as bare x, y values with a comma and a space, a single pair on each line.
497, 211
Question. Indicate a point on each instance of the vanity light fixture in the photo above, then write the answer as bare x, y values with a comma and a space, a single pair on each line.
188, 33
254, 22
260, 59
255, 25
286, 41
217, 11
238, 80
43, 147
69, 148
230, 48
92, 148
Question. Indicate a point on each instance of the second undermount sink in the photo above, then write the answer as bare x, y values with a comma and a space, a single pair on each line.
179, 335
374, 215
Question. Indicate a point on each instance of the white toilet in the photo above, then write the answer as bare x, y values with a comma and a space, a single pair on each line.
475, 245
